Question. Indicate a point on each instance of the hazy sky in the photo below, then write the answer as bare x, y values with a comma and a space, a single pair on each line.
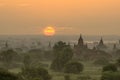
89, 17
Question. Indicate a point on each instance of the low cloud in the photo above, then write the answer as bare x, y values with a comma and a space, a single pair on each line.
64, 28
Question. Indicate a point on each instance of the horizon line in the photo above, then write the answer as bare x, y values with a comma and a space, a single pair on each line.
58, 35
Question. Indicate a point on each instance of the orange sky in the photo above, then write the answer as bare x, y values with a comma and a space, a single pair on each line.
91, 17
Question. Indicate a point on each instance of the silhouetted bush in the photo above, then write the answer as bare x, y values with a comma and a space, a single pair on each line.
110, 67
35, 73
73, 67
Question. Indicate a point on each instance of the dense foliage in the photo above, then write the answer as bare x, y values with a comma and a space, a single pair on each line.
8, 57
63, 54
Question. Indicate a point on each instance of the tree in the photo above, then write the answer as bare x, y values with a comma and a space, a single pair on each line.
110, 67
36, 74
27, 61
73, 67
63, 54
111, 76
7, 57
58, 47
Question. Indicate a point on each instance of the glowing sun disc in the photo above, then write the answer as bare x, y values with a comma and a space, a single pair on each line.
49, 31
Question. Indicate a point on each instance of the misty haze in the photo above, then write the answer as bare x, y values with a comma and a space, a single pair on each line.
59, 40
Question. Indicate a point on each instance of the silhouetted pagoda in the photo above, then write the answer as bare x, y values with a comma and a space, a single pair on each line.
80, 48
80, 44
82, 52
115, 48
101, 45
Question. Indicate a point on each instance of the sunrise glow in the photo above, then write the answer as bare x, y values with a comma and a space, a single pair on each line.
49, 31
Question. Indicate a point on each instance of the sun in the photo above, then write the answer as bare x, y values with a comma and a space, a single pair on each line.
49, 31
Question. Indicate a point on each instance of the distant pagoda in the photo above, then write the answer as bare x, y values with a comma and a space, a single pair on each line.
80, 44
101, 45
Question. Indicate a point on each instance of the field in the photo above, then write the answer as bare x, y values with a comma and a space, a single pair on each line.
89, 70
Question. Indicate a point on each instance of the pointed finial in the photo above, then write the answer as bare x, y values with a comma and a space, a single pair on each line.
80, 35
101, 41
101, 38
